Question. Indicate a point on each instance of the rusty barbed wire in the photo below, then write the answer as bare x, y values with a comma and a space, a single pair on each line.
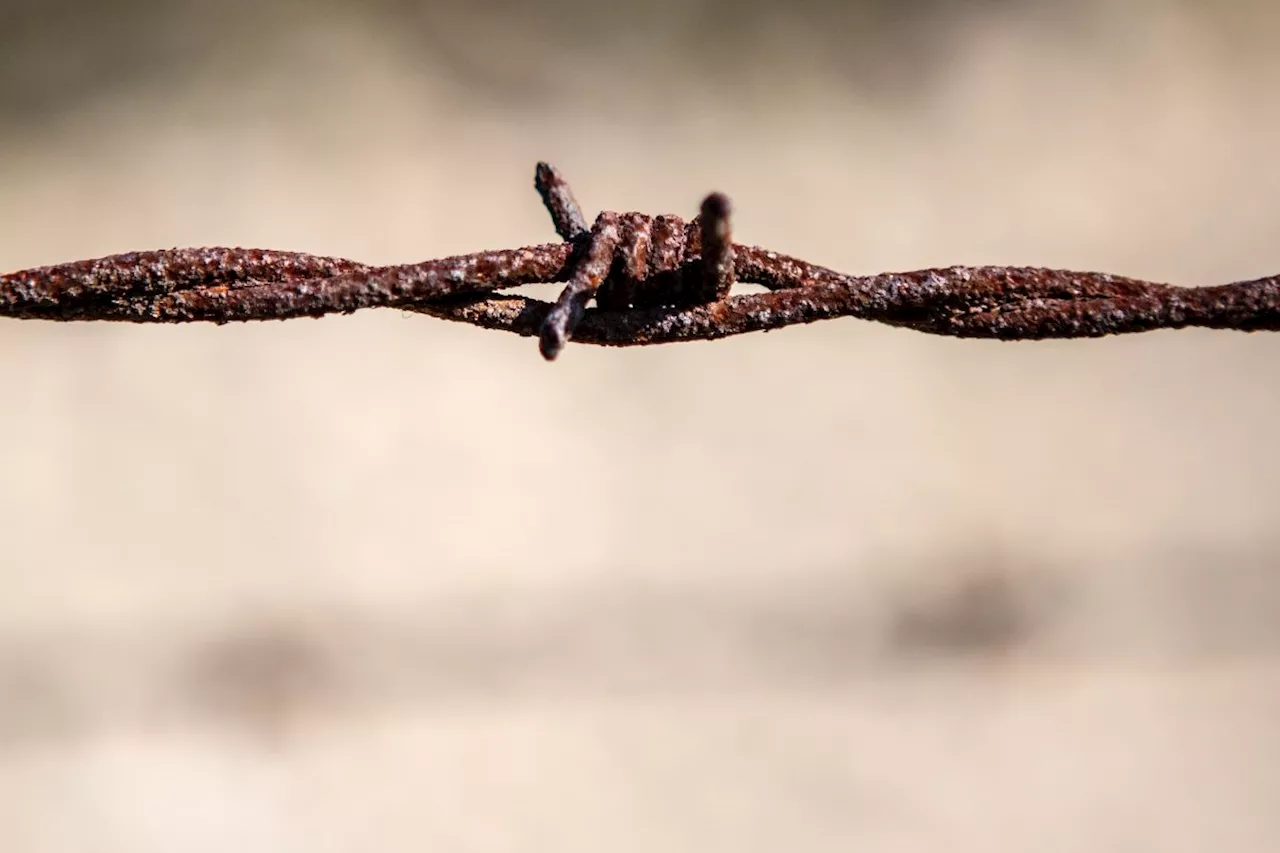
654, 279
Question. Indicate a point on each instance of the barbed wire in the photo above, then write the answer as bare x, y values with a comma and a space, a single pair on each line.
654, 279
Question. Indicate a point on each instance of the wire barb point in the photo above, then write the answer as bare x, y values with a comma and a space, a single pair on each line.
717, 248
560, 203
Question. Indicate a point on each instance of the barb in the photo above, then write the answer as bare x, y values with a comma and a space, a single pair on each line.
559, 201
655, 279
590, 273
717, 249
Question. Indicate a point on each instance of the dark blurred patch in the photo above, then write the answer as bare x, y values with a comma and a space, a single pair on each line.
546, 48
264, 673
259, 677
56, 55
985, 610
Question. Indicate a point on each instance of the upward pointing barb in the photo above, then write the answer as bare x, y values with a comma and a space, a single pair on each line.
717, 248
556, 195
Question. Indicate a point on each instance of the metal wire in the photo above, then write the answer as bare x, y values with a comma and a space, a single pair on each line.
650, 280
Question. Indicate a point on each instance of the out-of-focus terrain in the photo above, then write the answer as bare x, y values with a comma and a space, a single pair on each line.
380, 582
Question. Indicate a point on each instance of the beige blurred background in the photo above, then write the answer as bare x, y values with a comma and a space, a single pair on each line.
383, 583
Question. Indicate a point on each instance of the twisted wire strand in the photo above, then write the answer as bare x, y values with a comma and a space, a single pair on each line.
655, 279
223, 285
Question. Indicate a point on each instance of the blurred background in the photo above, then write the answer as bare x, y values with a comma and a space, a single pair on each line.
382, 582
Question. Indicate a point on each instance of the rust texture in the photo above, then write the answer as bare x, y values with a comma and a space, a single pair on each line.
655, 279
566, 216
589, 273
717, 249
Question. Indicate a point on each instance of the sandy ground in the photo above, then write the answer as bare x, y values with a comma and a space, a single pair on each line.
330, 586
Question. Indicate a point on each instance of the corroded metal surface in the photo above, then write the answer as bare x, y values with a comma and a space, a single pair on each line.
655, 279
590, 271
225, 285
567, 217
